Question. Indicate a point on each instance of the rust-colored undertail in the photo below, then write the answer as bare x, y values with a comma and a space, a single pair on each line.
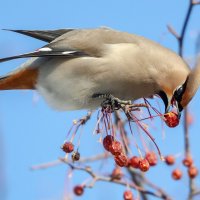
21, 79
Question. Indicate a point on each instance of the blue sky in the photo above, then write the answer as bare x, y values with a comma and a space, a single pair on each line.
32, 133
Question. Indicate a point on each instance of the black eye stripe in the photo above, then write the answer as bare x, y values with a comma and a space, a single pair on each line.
178, 94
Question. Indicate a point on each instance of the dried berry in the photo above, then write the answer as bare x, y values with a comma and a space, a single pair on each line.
144, 165
188, 161
107, 142
75, 156
117, 173
171, 119
177, 174
128, 195
134, 162
121, 160
115, 148
151, 158
170, 160
192, 172
67, 147
78, 190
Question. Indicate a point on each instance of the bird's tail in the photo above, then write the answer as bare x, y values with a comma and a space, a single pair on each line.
24, 78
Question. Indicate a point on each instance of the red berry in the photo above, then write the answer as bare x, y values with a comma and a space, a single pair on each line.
107, 141
151, 158
128, 195
192, 171
78, 190
117, 173
177, 174
170, 160
75, 156
144, 165
121, 160
171, 119
188, 161
115, 148
134, 162
68, 147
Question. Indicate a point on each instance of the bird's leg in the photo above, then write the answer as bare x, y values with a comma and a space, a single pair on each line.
111, 101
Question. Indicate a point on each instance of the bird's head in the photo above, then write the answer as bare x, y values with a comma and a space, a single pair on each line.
181, 95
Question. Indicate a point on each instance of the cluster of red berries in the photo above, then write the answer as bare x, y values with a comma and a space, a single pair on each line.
143, 163
116, 149
171, 119
177, 174
68, 147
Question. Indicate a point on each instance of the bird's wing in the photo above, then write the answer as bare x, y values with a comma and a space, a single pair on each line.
74, 42
93, 41
44, 35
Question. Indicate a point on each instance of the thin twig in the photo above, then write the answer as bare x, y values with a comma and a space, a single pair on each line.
60, 161
173, 32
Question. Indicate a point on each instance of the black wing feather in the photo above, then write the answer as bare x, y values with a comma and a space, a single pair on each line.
44, 35
71, 54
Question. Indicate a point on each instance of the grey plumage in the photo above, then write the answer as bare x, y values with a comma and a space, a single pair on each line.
103, 61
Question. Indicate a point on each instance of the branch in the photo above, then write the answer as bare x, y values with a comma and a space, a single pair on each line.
96, 178
180, 40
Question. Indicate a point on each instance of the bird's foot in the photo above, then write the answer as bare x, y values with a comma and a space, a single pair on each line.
112, 102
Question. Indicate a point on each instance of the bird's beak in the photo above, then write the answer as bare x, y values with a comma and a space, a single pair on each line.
179, 107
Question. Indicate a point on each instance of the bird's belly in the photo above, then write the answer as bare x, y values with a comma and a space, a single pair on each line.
68, 86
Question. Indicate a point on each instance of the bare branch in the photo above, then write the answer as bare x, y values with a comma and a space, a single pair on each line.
180, 41
96, 178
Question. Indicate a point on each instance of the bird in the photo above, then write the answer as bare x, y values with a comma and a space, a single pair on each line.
79, 66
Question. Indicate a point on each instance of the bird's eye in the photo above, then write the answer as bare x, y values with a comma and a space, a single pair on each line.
178, 93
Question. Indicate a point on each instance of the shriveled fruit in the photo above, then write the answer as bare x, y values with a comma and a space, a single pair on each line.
170, 159
128, 195
188, 161
171, 119
144, 165
117, 173
67, 147
78, 190
151, 158
121, 160
75, 156
115, 148
134, 162
177, 174
192, 171
107, 142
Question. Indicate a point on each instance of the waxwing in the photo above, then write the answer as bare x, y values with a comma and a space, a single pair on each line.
78, 64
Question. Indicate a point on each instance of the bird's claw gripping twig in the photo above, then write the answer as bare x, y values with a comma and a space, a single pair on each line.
112, 102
